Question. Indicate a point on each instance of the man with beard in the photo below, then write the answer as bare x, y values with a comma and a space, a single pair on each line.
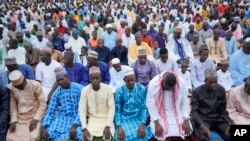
179, 48
238, 105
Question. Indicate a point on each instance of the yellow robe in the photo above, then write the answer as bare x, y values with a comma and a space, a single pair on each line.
133, 52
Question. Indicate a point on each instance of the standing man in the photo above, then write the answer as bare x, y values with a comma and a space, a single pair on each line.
4, 111
168, 106
66, 124
209, 108
27, 108
130, 102
144, 69
97, 103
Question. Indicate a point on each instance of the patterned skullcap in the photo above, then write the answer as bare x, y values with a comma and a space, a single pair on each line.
142, 51
10, 61
224, 61
210, 72
94, 69
93, 54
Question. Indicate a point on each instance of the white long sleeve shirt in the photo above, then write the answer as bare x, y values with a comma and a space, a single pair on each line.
225, 79
197, 71
116, 78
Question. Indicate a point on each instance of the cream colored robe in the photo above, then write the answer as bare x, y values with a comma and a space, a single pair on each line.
26, 105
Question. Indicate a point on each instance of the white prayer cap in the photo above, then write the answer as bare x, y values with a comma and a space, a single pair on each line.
115, 61
67, 46
128, 71
225, 3
1, 26
16, 77
247, 39
108, 25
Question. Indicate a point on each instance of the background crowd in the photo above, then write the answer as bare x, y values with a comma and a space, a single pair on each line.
132, 70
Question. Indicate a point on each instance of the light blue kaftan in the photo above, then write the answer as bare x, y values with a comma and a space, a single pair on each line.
239, 66
63, 113
131, 112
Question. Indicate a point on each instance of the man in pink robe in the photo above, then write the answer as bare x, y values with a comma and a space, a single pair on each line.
238, 105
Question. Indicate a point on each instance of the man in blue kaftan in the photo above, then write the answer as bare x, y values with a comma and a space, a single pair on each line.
131, 111
61, 121
239, 66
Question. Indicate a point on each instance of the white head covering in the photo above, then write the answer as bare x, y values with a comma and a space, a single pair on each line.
109, 26
115, 61
16, 77
128, 71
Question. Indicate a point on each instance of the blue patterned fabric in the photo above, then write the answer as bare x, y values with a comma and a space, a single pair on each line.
131, 111
63, 113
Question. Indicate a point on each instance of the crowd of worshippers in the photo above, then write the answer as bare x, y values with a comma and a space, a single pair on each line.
124, 71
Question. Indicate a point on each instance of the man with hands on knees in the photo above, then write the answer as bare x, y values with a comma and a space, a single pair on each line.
168, 106
62, 121
209, 108
131, 111
27, 108
97, 103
